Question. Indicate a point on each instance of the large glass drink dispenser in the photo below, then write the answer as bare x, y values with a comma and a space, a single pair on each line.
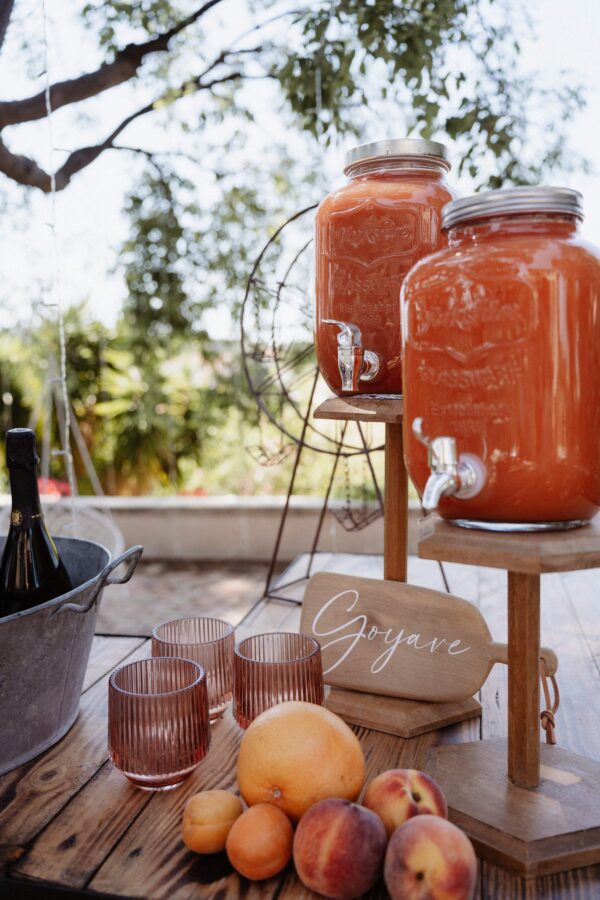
369, 233
501, 336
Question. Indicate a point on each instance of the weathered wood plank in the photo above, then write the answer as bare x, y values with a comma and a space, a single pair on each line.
76, 842
151, 860
163, 590
583, 589
106, 654
425, 573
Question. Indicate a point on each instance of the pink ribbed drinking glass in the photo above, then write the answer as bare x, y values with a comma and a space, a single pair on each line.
271, 668
158, 728
209, 642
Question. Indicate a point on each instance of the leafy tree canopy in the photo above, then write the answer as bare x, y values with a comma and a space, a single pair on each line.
335, 67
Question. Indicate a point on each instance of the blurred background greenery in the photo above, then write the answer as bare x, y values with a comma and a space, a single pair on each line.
220, 131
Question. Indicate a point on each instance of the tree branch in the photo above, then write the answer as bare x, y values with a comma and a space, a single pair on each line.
26, 171
6, 8
121, 69
23, 170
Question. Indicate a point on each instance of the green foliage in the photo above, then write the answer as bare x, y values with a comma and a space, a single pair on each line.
449, 67
186, 256
156, 259
114, 20
158, 400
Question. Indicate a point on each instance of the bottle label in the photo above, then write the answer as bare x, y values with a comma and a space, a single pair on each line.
17, 517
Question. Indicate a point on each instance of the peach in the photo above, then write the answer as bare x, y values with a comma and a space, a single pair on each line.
399, 794
429, 858
207, 818
339, 848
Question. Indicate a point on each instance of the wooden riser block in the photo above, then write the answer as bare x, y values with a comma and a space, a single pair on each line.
403, 718
531, 831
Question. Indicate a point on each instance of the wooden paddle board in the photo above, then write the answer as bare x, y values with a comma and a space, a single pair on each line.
395, 639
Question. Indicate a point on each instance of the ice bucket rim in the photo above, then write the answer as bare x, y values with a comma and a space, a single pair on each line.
70, 594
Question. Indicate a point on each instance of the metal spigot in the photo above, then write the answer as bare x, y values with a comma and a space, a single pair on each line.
451, 475
354, 362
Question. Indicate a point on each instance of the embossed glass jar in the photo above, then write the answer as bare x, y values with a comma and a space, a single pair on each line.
369, 233
501, 334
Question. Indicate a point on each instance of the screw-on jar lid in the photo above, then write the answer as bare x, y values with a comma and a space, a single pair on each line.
396, 148
509, 201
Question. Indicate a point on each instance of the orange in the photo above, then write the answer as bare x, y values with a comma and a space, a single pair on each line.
259, 844
295, 754
207, 818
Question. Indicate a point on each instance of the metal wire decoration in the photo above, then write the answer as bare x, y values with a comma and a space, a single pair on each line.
284, 379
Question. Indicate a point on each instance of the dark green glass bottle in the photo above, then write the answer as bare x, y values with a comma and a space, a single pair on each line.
31, 571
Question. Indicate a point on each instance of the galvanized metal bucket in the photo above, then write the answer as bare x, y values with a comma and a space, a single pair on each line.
44, 653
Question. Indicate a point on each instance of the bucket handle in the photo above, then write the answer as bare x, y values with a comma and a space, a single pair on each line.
104, 579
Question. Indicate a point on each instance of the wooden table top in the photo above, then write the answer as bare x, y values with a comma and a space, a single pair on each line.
70, 819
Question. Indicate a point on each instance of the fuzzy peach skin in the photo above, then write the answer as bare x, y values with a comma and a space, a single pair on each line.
429, 858
399, 794
339, 848
207, 818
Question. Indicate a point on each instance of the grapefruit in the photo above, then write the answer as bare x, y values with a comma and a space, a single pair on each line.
295, 754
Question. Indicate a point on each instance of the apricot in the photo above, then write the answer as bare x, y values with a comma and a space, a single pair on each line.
339, 848
207, 818
429, 858
259, 844
400, 794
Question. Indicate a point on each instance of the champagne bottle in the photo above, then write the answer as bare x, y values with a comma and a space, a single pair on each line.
31, 571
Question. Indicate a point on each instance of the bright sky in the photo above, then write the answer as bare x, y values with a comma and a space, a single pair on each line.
89, 218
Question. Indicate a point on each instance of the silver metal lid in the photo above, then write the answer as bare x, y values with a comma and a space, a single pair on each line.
397, 147
509, 201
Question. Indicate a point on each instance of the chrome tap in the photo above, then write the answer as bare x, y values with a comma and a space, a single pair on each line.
354, 362
451, 475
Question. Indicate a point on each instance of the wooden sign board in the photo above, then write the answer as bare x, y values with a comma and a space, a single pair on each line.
398, 640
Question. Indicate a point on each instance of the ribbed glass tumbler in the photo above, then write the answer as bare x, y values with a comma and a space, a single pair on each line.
158, 728
210, 643
272, 668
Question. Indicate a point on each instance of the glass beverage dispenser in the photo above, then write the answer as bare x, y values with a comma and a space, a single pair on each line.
501, 334
369, 233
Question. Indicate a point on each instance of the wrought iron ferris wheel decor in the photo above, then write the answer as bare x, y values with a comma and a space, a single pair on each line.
283, 377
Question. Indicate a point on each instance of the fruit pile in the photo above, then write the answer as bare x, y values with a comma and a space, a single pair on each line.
301, 765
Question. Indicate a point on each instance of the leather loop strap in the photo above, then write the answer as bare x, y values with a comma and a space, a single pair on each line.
547, 715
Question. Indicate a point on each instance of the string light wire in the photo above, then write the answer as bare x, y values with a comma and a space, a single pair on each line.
65, 450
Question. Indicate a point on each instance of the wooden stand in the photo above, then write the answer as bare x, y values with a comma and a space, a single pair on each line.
531, 808
405, 718
395, 503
